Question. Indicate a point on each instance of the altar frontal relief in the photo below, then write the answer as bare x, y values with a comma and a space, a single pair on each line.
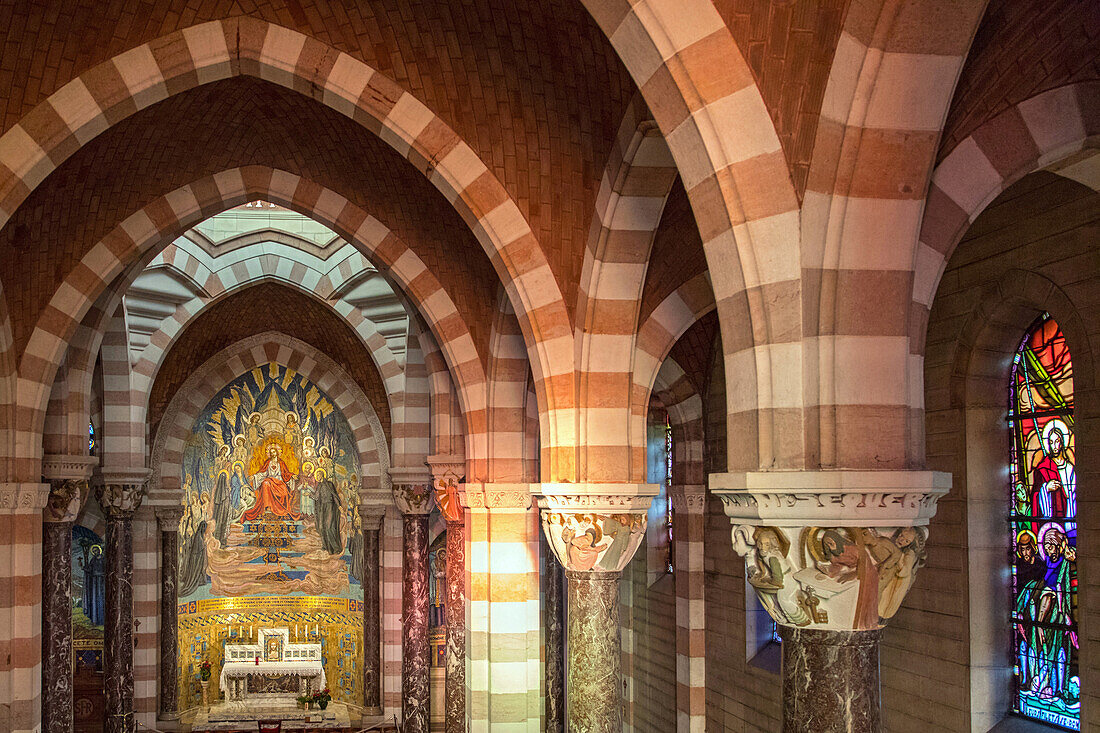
270, 535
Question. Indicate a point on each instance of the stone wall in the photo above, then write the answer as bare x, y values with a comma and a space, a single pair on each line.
944, 654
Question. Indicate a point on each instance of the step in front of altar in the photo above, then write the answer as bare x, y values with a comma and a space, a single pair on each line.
230, 715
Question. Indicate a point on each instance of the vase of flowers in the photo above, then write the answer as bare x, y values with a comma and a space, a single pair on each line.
305, 702
204, 681
321, 699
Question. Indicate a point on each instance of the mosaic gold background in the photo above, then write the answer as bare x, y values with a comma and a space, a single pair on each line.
206, 626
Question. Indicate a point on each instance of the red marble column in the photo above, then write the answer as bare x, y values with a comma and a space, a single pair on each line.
554, 620
372, 622
168, 521
455, 704
414, 501
119, 501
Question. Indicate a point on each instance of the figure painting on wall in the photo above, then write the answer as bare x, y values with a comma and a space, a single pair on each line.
93, 597
274, 486
269, 474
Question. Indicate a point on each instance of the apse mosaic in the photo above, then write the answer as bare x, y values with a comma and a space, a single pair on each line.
270, 532
89, 597
1044, 530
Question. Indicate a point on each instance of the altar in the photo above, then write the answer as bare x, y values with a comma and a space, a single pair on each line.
271, 668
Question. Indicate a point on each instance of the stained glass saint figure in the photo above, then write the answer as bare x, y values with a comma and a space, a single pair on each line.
1044, 529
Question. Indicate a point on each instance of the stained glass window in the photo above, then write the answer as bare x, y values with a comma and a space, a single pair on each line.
1044, 529
668, 487
91, 440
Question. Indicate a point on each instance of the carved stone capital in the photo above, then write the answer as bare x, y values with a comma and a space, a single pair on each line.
594, 527
66, 499
120, 490
444, 466
833, 550
690, 500
168, 517
56, 466
372, 515
831, 498
495, 496
23, 498
413, 498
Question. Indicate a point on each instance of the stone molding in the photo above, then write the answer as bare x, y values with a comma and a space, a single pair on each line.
168, 518
413, 498
372, 516
121, 489
596, 497
23, 498
66, 499
831, 498
495, 495
56, 466
444, 465
688, 498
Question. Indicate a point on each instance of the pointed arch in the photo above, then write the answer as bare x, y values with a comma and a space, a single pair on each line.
132, 242
117, 88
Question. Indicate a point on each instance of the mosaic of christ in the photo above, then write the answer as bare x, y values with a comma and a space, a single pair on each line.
270, 492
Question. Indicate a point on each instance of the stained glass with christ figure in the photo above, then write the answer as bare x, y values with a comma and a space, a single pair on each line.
1044, 529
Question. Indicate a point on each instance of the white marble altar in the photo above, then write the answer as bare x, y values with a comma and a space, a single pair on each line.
272, 654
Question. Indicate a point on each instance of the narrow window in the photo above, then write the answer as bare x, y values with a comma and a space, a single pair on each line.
91, 440
668, 490
1044, 529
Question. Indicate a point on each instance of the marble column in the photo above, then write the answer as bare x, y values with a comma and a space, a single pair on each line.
455, 605
447, 472
64, 503
119, 496
414, 500
863, 533
594, 536
554, 621
68, 477
830, 680
168, 522
372, 622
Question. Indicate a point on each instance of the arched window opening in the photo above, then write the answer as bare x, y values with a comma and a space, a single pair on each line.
91, 440
1044, 529
668, 488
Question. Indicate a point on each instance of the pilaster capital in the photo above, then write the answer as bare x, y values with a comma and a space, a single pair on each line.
62, 467
66, 499
447, 466
834, 550
495, 495
168, 517
23, 498
121, 489
413, 498
690, 499
594, 527
372, 515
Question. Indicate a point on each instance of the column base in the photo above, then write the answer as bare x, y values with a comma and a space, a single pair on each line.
830, 680
372, 711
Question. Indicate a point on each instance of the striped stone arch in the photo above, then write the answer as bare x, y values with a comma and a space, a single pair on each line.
411, 437
640, 173
8, 382
502, 460
736, 176
228, 364
687, 492
891, 82
265, 268
216, 50
446, 431
164, 219
1031, 135
672, 317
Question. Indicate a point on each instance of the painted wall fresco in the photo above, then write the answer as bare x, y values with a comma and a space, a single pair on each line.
1043, 529
270, 526
89, 592
831, 577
